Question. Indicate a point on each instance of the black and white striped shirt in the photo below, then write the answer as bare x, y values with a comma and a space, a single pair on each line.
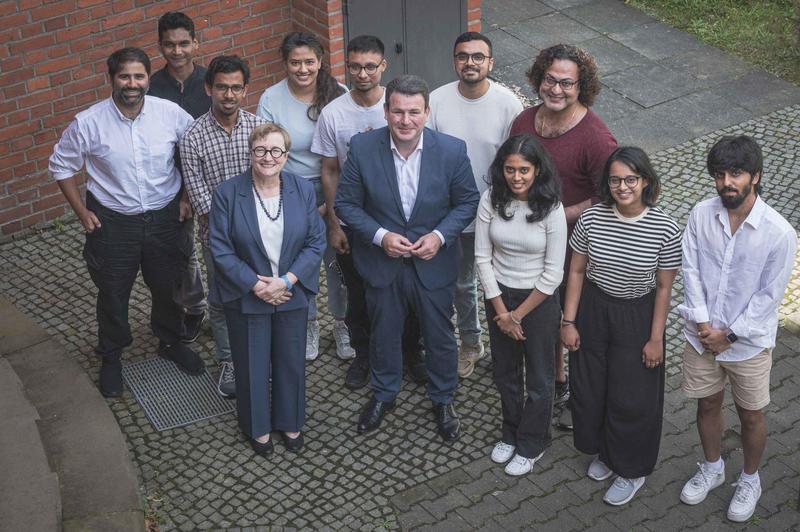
624, 253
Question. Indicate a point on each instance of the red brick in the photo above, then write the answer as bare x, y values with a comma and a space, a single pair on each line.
14, 91
27, 195
121, 5
55, 212
76, 31
10, 229
40, 97
228, 15
24, 170
6, 202
92, 83
48, 202
33, 219
15, 214
89, 3
52, 9
26, 183
55, 24
62, 63
39, 152
12, 63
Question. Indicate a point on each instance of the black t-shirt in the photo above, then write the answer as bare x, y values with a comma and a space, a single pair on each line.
190, 95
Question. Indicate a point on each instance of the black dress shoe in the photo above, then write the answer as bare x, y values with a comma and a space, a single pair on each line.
111, 377
447, 421
192, 326
262, 449
372, 415
357, 374
187, 360
293, 445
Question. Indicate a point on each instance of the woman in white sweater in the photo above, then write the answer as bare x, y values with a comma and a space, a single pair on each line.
520, 243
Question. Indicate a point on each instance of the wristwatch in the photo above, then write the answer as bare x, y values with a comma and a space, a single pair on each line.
731, 336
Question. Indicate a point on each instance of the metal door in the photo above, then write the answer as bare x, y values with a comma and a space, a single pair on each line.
418, 34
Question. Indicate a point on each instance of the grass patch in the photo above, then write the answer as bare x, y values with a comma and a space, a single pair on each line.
762, 32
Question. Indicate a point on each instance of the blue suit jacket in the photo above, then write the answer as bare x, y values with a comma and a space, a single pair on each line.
239, 254
368, 198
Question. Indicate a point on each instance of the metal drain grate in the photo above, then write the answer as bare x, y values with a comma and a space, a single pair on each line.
169, 397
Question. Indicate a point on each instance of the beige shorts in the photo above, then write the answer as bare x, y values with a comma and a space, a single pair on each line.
704, 376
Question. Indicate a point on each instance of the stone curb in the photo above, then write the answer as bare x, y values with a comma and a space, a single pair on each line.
81, 437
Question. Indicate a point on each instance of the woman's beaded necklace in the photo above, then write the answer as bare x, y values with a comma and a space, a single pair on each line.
280, 200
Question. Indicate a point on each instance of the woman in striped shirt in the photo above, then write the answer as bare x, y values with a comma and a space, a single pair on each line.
626, 255
520, 243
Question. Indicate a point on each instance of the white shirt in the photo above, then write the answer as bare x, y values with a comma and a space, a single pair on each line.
131, 163
271, 231
407, 170
516, 253
736, 281
483, 124
339, 121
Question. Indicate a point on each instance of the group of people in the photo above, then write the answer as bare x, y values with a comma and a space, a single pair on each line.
408, 197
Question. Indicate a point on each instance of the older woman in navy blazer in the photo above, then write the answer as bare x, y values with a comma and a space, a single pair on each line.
267, 239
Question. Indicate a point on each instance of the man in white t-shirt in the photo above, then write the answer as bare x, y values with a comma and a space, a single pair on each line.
355, 112
456, 109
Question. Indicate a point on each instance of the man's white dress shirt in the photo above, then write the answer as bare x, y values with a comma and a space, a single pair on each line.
736, 281
130, 162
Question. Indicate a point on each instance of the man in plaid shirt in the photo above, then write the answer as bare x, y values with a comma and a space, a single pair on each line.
214, 149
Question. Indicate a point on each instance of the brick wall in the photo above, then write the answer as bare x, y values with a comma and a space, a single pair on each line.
52, 65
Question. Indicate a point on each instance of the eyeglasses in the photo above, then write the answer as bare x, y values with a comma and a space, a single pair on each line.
355, 69
477, 58
630, 181
566, 84
235, 89
276, 152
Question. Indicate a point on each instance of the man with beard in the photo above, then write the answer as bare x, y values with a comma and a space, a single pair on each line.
455, 110
738, 255
133, 211
357, 111
181, 81
216, 148
578, 142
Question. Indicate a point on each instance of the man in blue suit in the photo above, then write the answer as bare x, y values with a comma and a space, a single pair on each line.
408, 192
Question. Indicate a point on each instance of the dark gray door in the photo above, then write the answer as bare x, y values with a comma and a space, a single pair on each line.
418, 34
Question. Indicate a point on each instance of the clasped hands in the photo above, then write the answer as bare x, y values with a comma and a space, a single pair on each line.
506, 323
272, 290
426, 247
714, 340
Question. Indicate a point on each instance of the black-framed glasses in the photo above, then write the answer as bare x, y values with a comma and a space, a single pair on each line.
276, 152
222, 88
355, 69
630, 181
478, 58
566, 84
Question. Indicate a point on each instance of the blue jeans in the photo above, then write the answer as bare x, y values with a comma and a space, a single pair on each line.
337, 292
466, 297
216, 315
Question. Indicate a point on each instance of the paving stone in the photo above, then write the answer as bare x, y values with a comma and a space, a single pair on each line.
612, 56
500, 13
657, 41
608, 16
709, 66
508, 49
514, 77
639, 130
761, 92
551, 29
610, 106
650, 84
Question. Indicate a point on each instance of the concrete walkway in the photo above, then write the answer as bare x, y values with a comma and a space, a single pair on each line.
664, 91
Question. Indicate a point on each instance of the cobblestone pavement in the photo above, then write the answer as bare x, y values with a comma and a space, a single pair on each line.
204, 476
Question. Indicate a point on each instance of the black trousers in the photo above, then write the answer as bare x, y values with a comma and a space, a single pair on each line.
617, 402
153, 242
524, 372
357, 316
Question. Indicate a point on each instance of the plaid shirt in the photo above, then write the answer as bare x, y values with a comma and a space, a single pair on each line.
211, 155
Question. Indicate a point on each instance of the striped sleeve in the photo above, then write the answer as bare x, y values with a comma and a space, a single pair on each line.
669, 258
579, 241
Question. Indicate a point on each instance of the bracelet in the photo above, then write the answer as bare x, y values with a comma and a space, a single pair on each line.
285, 279
567, 322
515, 320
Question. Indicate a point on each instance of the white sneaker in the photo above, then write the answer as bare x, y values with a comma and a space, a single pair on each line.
312, 340
598, 470
743, 503
342, 337
623, 490
502, 452
519, 465
705, 480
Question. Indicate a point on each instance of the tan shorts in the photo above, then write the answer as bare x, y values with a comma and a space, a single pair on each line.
704, 376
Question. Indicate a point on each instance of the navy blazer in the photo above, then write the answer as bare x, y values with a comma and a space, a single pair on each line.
239, 253
368, 198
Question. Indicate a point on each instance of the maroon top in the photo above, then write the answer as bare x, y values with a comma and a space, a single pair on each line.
579, 156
